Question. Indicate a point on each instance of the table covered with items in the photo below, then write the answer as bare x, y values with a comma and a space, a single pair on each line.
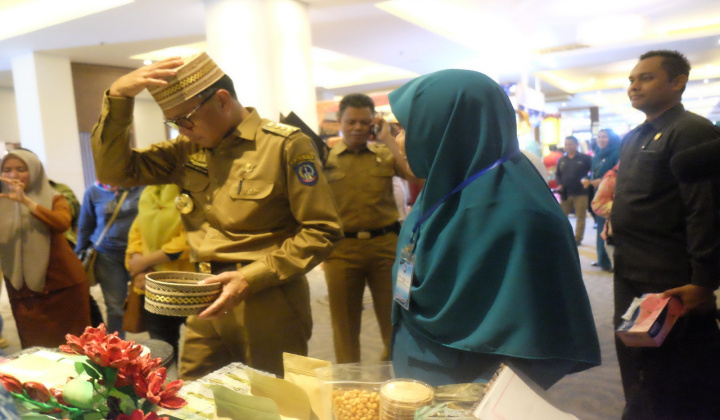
98, 376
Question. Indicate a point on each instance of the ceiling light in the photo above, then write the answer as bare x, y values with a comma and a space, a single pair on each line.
21, 17
333, 70
625, 28
470, 23
178, 51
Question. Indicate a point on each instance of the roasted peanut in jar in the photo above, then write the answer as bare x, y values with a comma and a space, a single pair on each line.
355, 404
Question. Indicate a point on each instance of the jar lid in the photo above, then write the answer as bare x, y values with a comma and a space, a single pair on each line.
407, 391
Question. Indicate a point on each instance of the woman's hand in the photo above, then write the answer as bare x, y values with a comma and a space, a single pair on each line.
136, 265
138, 281
16, 189
16, 192
396, 146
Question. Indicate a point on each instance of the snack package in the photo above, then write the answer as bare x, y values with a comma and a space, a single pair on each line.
351, 390
302, 371
648, 320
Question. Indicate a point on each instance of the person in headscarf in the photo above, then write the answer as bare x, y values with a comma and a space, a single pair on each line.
45, 280
156, 242
495, 271
606, 155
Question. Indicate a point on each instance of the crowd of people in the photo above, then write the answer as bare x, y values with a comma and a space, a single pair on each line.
483, 270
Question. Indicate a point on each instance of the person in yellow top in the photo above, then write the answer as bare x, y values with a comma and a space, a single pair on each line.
361, 177
257, 211
156, 242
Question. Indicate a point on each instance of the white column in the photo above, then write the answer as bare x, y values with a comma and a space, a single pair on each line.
264, 46
47, 117
148, 121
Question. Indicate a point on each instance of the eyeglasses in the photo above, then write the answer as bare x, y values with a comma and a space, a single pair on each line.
185, 121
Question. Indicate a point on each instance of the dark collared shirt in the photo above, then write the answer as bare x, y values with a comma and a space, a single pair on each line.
666, 232
571, 171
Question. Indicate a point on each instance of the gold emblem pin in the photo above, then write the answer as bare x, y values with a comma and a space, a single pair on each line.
657, 136
184, 204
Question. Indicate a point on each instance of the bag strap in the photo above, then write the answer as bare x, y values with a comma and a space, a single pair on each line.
112, 218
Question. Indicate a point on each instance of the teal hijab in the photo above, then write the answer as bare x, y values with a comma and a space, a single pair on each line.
497, 268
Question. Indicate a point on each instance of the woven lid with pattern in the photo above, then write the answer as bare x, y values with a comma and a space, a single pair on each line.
198, 73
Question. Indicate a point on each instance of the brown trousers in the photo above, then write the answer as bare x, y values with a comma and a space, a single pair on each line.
580, 204
354, 264
255, 333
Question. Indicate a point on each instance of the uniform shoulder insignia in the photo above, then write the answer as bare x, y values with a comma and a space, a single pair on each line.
279, 128
376, 147
197, 162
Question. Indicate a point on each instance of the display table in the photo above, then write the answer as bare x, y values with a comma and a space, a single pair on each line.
157, 348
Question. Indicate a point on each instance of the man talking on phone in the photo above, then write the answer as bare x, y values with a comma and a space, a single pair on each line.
360, 175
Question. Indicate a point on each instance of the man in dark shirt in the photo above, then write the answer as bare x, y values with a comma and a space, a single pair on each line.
571, 169
667, 237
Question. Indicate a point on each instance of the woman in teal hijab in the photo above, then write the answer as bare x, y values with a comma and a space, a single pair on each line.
606, 154
496, 270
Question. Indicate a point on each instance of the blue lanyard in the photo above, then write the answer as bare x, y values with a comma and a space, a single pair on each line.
459, 188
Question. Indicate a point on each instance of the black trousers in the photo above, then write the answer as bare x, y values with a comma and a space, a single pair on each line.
678, 380
165, 328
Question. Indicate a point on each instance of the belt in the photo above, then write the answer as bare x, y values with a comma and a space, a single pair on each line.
216, 267
367, 234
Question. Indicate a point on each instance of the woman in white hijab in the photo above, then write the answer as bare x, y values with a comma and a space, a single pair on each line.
45, 280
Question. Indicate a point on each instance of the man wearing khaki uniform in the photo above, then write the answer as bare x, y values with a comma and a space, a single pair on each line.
361, 178
257, 211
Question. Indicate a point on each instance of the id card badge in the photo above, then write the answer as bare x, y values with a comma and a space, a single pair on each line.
404, 279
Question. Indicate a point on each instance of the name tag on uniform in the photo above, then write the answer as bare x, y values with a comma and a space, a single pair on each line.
404, 279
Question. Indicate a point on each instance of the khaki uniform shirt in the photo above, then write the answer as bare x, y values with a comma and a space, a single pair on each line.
362, 184
258, 197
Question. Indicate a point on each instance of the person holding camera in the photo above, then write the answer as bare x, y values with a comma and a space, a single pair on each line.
46, 282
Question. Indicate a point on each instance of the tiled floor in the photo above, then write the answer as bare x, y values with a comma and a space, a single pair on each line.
591, 395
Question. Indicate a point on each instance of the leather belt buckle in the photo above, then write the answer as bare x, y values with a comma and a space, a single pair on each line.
205, 267
364, 235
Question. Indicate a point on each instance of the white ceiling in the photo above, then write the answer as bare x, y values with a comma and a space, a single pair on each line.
579, 52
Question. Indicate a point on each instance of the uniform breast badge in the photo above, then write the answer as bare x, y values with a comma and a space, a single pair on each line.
184, 204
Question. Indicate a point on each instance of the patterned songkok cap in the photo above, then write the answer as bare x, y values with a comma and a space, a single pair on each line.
198, 73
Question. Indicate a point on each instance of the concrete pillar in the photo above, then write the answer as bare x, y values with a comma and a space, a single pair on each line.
264, 46
594, 120
148, 121
47, 118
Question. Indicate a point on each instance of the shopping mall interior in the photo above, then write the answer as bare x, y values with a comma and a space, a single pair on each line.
564, 62
557, 58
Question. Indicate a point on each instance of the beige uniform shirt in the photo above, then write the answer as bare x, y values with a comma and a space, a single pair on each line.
362, 185
258, 197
